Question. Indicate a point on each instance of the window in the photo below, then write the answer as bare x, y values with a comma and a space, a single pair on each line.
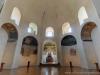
16, 15
29, 30
49, 32
66, 28
32, 28
82, 15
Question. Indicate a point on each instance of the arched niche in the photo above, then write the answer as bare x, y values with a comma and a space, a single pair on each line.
88, 44
69, 50
10, 46
29, 51
29, 46
49, 52
3, 42
86, 31
68, 40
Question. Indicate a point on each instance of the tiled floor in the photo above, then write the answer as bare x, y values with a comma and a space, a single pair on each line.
48, 71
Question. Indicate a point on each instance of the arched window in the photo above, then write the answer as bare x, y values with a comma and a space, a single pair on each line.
68, 40
49, 32
16, 15
66, 28
82, 15
32, 28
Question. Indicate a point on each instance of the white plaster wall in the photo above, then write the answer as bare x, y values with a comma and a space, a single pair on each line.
24, 60
97, 6
3, 42
67, 57
90, 53
95, 36
9, 54
91, 10
19, 60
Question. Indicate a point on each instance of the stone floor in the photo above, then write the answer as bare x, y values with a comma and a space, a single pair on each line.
48, 71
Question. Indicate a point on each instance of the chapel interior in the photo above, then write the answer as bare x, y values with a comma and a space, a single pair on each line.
49, 37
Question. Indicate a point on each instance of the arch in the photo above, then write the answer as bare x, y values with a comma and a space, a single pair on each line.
11, 31
16, 15
29, 46
68, 40
32, 28
82, 15
86, 31
88, 43
49, 32
66, 28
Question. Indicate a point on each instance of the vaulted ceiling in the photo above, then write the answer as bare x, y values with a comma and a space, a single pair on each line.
49, 11
97, 6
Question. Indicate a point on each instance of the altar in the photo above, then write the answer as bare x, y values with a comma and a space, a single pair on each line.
49, 53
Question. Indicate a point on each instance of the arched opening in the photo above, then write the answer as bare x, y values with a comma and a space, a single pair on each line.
29, 51
66, 28
10, 45
69, 50
82, 15
68, 40
49, 53
33, 28
49, 32
88, 43
16, 15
